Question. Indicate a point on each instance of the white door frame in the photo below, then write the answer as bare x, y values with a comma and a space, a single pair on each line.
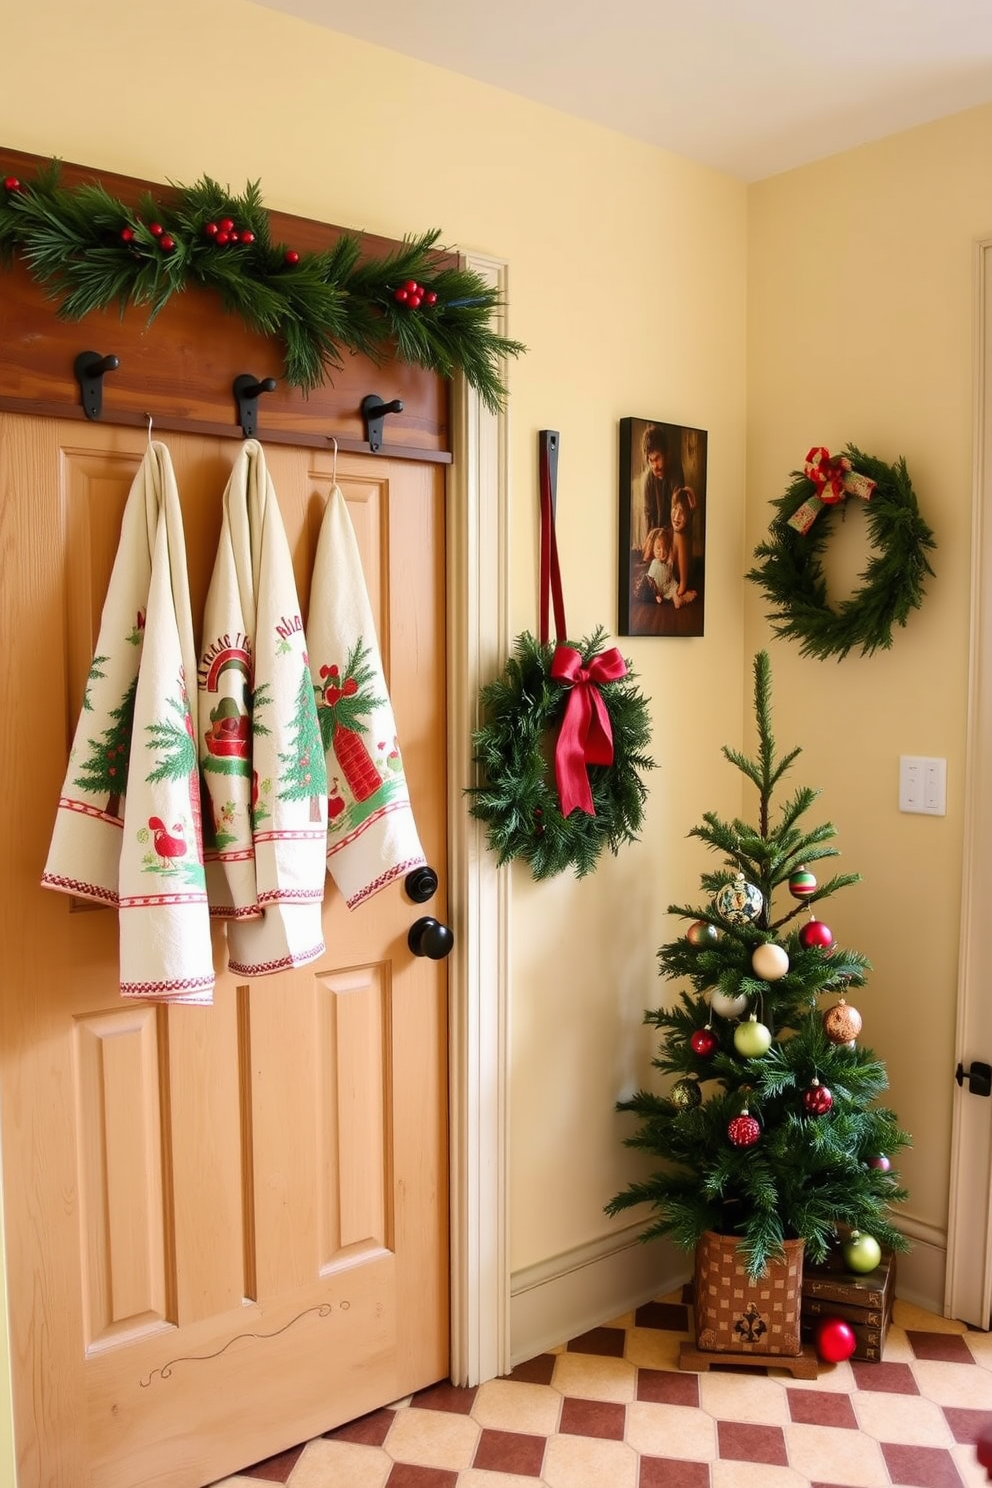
968, 1293
477, 568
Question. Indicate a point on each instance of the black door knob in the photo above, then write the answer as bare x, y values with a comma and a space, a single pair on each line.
429, 937
421, 884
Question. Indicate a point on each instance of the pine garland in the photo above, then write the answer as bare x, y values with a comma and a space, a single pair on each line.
90, 251
790, 571
518, 800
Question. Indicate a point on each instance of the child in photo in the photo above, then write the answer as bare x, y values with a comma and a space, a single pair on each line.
659, 582
683, 506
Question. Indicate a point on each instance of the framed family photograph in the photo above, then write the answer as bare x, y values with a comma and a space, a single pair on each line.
662, 579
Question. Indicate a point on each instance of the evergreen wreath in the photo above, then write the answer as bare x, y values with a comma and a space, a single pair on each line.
791, 574
91, 251
518, 800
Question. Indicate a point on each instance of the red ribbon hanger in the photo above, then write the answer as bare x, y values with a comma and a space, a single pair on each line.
586, 736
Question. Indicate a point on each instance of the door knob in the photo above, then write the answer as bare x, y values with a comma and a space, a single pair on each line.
421, 884
429, 937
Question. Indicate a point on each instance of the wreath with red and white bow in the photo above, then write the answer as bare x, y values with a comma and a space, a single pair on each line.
790, 570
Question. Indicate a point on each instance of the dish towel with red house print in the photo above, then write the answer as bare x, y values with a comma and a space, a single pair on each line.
127, 830
371, 833
261, 757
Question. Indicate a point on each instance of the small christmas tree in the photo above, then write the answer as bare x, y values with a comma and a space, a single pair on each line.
770, 1131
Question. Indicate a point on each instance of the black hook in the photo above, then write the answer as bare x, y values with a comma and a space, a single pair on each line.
374, 410
247, 391
89, 368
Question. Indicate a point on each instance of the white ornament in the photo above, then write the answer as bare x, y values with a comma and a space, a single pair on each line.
727, 1007
770, 961
740, 902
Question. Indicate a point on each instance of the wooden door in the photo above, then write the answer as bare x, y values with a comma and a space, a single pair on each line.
226, 1227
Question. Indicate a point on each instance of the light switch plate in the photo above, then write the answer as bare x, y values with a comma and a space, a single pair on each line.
923, 784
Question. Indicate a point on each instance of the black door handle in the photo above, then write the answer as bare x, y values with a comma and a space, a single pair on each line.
979, 1077
428, 937
420, 884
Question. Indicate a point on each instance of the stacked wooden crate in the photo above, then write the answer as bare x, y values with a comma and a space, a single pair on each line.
862, 1300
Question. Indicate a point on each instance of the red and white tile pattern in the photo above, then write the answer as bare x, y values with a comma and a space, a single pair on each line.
611, 1409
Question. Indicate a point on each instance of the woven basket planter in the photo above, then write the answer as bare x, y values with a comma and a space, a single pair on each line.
738, 1315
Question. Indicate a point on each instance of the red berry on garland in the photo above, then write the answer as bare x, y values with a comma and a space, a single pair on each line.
430, 298
222, 236
247, 236
801, 883
210, 229
226, 224
166, 243
11, 183
411, 286
743, 1130
156, 229
401, 296
817, 1100
835, 1340
291, 256
413, 302
127, 234
816, 935
704, 1042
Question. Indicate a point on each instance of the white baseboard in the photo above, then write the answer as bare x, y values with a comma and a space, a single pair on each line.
568, 1294
920, 1272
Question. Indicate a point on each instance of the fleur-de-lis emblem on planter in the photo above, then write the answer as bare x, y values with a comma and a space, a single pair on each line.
750, 1325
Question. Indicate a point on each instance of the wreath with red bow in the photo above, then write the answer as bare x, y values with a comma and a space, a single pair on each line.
560, 755
790, 568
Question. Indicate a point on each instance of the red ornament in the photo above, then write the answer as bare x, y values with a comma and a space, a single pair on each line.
292, 257
817, 1100
127, 234
11, 183
743, 1130
816, 934
704, 1042
835, 1340
881, 1162
166, 243
226, 224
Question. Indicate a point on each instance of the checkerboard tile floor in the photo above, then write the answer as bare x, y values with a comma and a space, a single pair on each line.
611, 1409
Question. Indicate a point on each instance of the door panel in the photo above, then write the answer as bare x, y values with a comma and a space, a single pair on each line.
227, 1226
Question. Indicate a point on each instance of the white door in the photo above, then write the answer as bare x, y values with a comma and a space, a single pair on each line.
968, 1294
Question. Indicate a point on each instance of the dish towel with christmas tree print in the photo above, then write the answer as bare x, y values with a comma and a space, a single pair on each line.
371, 834
127, 830
265, 796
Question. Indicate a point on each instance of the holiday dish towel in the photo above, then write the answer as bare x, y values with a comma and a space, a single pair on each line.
371, 833
262, 761
127, 830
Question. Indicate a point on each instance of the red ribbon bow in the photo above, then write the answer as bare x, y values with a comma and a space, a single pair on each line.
827, 474
585, 737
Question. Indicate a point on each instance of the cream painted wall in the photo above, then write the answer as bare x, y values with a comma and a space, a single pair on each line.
861, 318
627, 282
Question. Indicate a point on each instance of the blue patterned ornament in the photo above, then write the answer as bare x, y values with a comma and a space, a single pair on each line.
740, 902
